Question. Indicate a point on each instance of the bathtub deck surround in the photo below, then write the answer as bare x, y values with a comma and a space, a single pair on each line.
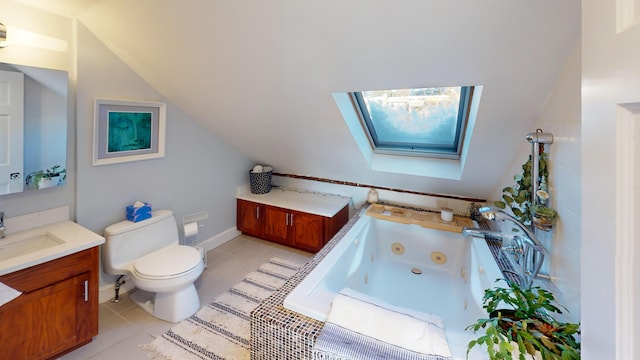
272, 322
427, 219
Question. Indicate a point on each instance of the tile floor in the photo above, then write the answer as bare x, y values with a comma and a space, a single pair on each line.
123, 326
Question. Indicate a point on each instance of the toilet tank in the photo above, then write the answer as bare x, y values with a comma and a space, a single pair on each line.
127, 241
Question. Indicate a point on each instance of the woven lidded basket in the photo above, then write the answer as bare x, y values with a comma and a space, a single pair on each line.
260, 181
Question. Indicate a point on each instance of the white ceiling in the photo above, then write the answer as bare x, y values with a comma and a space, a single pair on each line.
260, 74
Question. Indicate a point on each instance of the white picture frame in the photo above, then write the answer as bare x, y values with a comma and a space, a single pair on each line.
127, 130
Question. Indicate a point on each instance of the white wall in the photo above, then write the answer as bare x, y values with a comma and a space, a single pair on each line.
611, 179
561, 116
270, 68
199, 172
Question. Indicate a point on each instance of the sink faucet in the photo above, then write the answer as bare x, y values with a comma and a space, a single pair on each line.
525, 253
2, 227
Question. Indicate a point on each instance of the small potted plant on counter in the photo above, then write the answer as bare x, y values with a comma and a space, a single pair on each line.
42, 179
521, 326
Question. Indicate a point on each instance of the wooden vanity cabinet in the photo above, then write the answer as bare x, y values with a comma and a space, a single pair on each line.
275, 226
293, 228
57, 310
248, 217
307, 231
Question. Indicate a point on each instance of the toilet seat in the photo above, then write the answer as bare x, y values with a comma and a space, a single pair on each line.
167, 263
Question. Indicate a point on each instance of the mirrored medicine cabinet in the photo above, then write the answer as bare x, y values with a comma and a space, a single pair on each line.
33, 128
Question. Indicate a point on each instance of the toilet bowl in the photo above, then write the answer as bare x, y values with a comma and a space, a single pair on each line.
162, 270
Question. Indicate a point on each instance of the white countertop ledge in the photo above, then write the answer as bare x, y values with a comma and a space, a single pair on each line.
76, 238
300, 200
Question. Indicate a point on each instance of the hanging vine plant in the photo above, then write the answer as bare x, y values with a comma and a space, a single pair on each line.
518, 197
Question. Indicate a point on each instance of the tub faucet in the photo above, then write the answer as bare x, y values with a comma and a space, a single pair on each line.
525, 253
2, 227
482, 233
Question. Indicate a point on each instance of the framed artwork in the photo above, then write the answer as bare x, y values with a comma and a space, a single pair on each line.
128, 131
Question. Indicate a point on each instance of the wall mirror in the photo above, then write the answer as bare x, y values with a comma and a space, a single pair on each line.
33, 128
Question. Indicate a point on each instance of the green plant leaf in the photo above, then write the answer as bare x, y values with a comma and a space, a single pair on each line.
532, 327
517, 212
522, 197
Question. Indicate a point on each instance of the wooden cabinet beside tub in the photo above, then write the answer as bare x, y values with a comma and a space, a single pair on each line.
292, 227
58, 308
249, 217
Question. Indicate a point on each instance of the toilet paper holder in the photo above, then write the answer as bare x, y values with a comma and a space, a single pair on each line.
191, 223
198, 217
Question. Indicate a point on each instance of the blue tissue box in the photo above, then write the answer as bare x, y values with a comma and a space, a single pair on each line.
139, 217
140, 213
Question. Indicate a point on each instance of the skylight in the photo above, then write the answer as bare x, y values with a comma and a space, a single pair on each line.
427, 122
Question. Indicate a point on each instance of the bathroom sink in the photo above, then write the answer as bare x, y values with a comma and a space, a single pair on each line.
37, 238
22, 246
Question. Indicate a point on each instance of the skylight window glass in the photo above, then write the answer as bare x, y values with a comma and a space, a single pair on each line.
424, 121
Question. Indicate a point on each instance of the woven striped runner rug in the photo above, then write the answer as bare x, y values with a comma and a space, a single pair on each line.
221, 329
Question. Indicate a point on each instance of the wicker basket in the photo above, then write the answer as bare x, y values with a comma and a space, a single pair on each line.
260, 181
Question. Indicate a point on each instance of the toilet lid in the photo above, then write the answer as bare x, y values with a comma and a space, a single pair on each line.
168, 261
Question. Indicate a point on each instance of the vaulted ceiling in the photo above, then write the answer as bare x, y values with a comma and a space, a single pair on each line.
260, 74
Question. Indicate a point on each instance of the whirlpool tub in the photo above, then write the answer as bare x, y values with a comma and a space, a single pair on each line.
428, 270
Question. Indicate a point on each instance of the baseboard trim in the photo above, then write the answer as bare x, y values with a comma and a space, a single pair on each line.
217, 240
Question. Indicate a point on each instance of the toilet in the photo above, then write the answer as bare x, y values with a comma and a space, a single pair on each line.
163, 270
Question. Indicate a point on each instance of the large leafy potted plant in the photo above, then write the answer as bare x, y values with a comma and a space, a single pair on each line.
521, 325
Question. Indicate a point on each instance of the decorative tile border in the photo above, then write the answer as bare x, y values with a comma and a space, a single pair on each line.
279, 333
354, 184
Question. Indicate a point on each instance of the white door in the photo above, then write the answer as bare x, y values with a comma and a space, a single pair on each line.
610, 177
11, 131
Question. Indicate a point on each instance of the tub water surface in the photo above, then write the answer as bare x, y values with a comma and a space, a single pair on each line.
428, 270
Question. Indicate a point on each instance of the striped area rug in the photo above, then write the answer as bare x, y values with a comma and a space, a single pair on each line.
221, 330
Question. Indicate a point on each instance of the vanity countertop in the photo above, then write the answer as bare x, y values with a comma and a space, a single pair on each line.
75, 238
310, 202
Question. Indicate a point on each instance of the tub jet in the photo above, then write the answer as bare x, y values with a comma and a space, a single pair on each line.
397, 248
416, 271
438, 257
